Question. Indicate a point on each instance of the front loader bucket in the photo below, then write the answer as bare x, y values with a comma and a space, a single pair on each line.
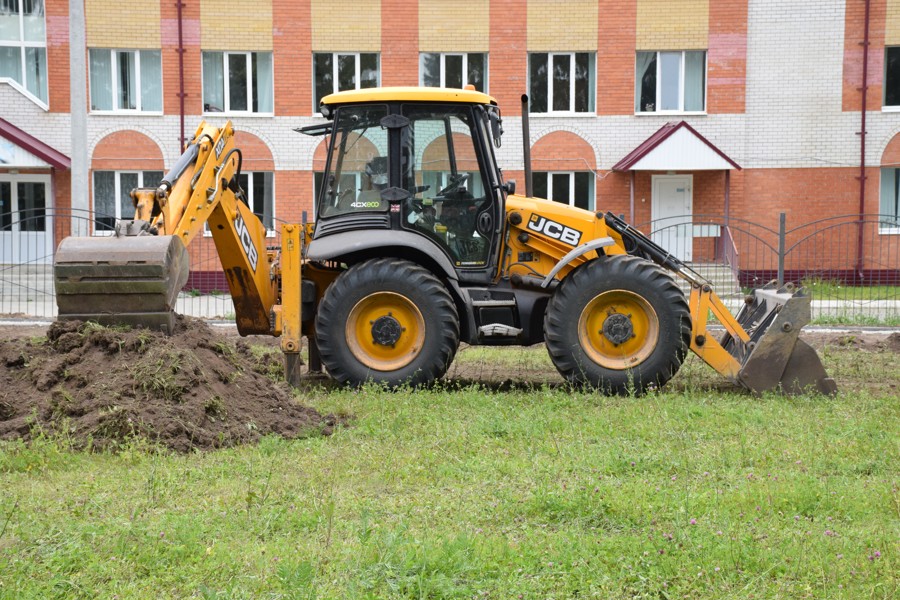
775, 358
127, 280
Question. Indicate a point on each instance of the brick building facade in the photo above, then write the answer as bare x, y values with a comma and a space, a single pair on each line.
772, 88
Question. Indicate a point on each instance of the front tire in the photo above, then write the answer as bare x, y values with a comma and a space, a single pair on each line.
618, 323
389, 321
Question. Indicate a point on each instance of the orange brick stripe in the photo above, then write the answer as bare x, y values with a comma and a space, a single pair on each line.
854, 30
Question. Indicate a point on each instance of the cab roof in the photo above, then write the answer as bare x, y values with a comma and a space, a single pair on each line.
416, 94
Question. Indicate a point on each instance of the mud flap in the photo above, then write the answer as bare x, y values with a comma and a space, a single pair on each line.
775, 359
128, 280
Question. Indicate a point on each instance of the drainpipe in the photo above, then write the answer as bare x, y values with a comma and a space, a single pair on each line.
526, 147
862, 144
180, 5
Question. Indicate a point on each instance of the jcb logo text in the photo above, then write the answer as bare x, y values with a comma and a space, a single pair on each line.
246, 241
555, 230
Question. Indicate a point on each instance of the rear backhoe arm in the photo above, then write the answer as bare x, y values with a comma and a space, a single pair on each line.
135, 276
202, 187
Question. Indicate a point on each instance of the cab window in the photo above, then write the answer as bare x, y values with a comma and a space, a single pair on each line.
441, 171
358, 164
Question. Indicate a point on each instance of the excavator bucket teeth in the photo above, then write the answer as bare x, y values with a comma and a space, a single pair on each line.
775, 358
127, 280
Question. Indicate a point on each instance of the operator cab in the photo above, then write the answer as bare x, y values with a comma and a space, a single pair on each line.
418, 160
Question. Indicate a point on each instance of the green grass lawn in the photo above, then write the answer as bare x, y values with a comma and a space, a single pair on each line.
478, 493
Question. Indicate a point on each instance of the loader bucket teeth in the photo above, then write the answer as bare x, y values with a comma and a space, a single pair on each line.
775, 358
130, 280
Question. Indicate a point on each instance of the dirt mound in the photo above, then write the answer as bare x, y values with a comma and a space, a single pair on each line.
196, 389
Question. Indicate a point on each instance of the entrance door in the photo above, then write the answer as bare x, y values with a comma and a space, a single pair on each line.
25, 228
671, 208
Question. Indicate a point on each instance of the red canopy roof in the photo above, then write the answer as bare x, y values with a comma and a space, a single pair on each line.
664, 133
28, 142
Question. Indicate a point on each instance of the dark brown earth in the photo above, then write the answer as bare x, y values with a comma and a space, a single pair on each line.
198, 389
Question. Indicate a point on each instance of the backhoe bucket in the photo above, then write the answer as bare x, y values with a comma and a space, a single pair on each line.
127, 280
775, 358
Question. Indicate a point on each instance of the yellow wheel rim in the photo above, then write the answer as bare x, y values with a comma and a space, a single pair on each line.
618, 329
385, 331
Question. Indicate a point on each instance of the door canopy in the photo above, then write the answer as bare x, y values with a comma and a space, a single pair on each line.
676, 147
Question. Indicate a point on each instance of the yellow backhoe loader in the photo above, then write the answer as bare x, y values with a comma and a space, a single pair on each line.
419, 244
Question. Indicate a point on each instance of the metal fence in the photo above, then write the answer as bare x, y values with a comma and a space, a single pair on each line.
851, 264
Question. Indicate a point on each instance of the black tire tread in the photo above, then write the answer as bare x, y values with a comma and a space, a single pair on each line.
560, 312
428, 366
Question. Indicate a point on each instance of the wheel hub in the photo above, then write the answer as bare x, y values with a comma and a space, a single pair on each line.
617, 328
386, 330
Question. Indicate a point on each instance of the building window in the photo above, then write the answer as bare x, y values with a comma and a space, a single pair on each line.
112, 195
670, 82
889, 221
575, 188
453, 70
259, 187
892, 76
23, 45
571, 86
339, 72
126, 80
238, 82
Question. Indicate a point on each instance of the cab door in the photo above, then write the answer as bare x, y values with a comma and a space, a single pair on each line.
455, 203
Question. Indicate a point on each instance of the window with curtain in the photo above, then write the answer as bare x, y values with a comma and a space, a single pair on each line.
561, 82
575, 188
890, 200
892, 76
23, 45
670, 82
112, 196
453, 70
339, 71
125, 80
238, 82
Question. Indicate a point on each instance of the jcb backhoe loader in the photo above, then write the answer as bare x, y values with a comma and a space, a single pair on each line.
419, 244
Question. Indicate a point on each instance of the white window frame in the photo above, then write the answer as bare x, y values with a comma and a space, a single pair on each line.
226, 99
270, 233
357, 74
887, 230
117, 194
680, 110
592, 193
885, 107
465, 68
591, 112
114, 64
22, 44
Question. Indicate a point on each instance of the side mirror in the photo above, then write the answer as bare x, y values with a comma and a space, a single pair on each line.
510, 187
496, 127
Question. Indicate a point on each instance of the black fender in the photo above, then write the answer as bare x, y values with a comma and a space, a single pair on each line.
348, 245
575, 253
355, 246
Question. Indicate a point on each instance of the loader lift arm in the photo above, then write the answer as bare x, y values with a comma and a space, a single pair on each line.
760, 348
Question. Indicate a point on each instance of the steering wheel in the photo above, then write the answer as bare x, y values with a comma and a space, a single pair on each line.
453, 183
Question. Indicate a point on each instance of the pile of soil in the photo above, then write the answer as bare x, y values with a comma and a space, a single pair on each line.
196, 389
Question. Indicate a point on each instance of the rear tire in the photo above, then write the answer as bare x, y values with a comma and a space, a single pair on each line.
389, 321
618, 323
